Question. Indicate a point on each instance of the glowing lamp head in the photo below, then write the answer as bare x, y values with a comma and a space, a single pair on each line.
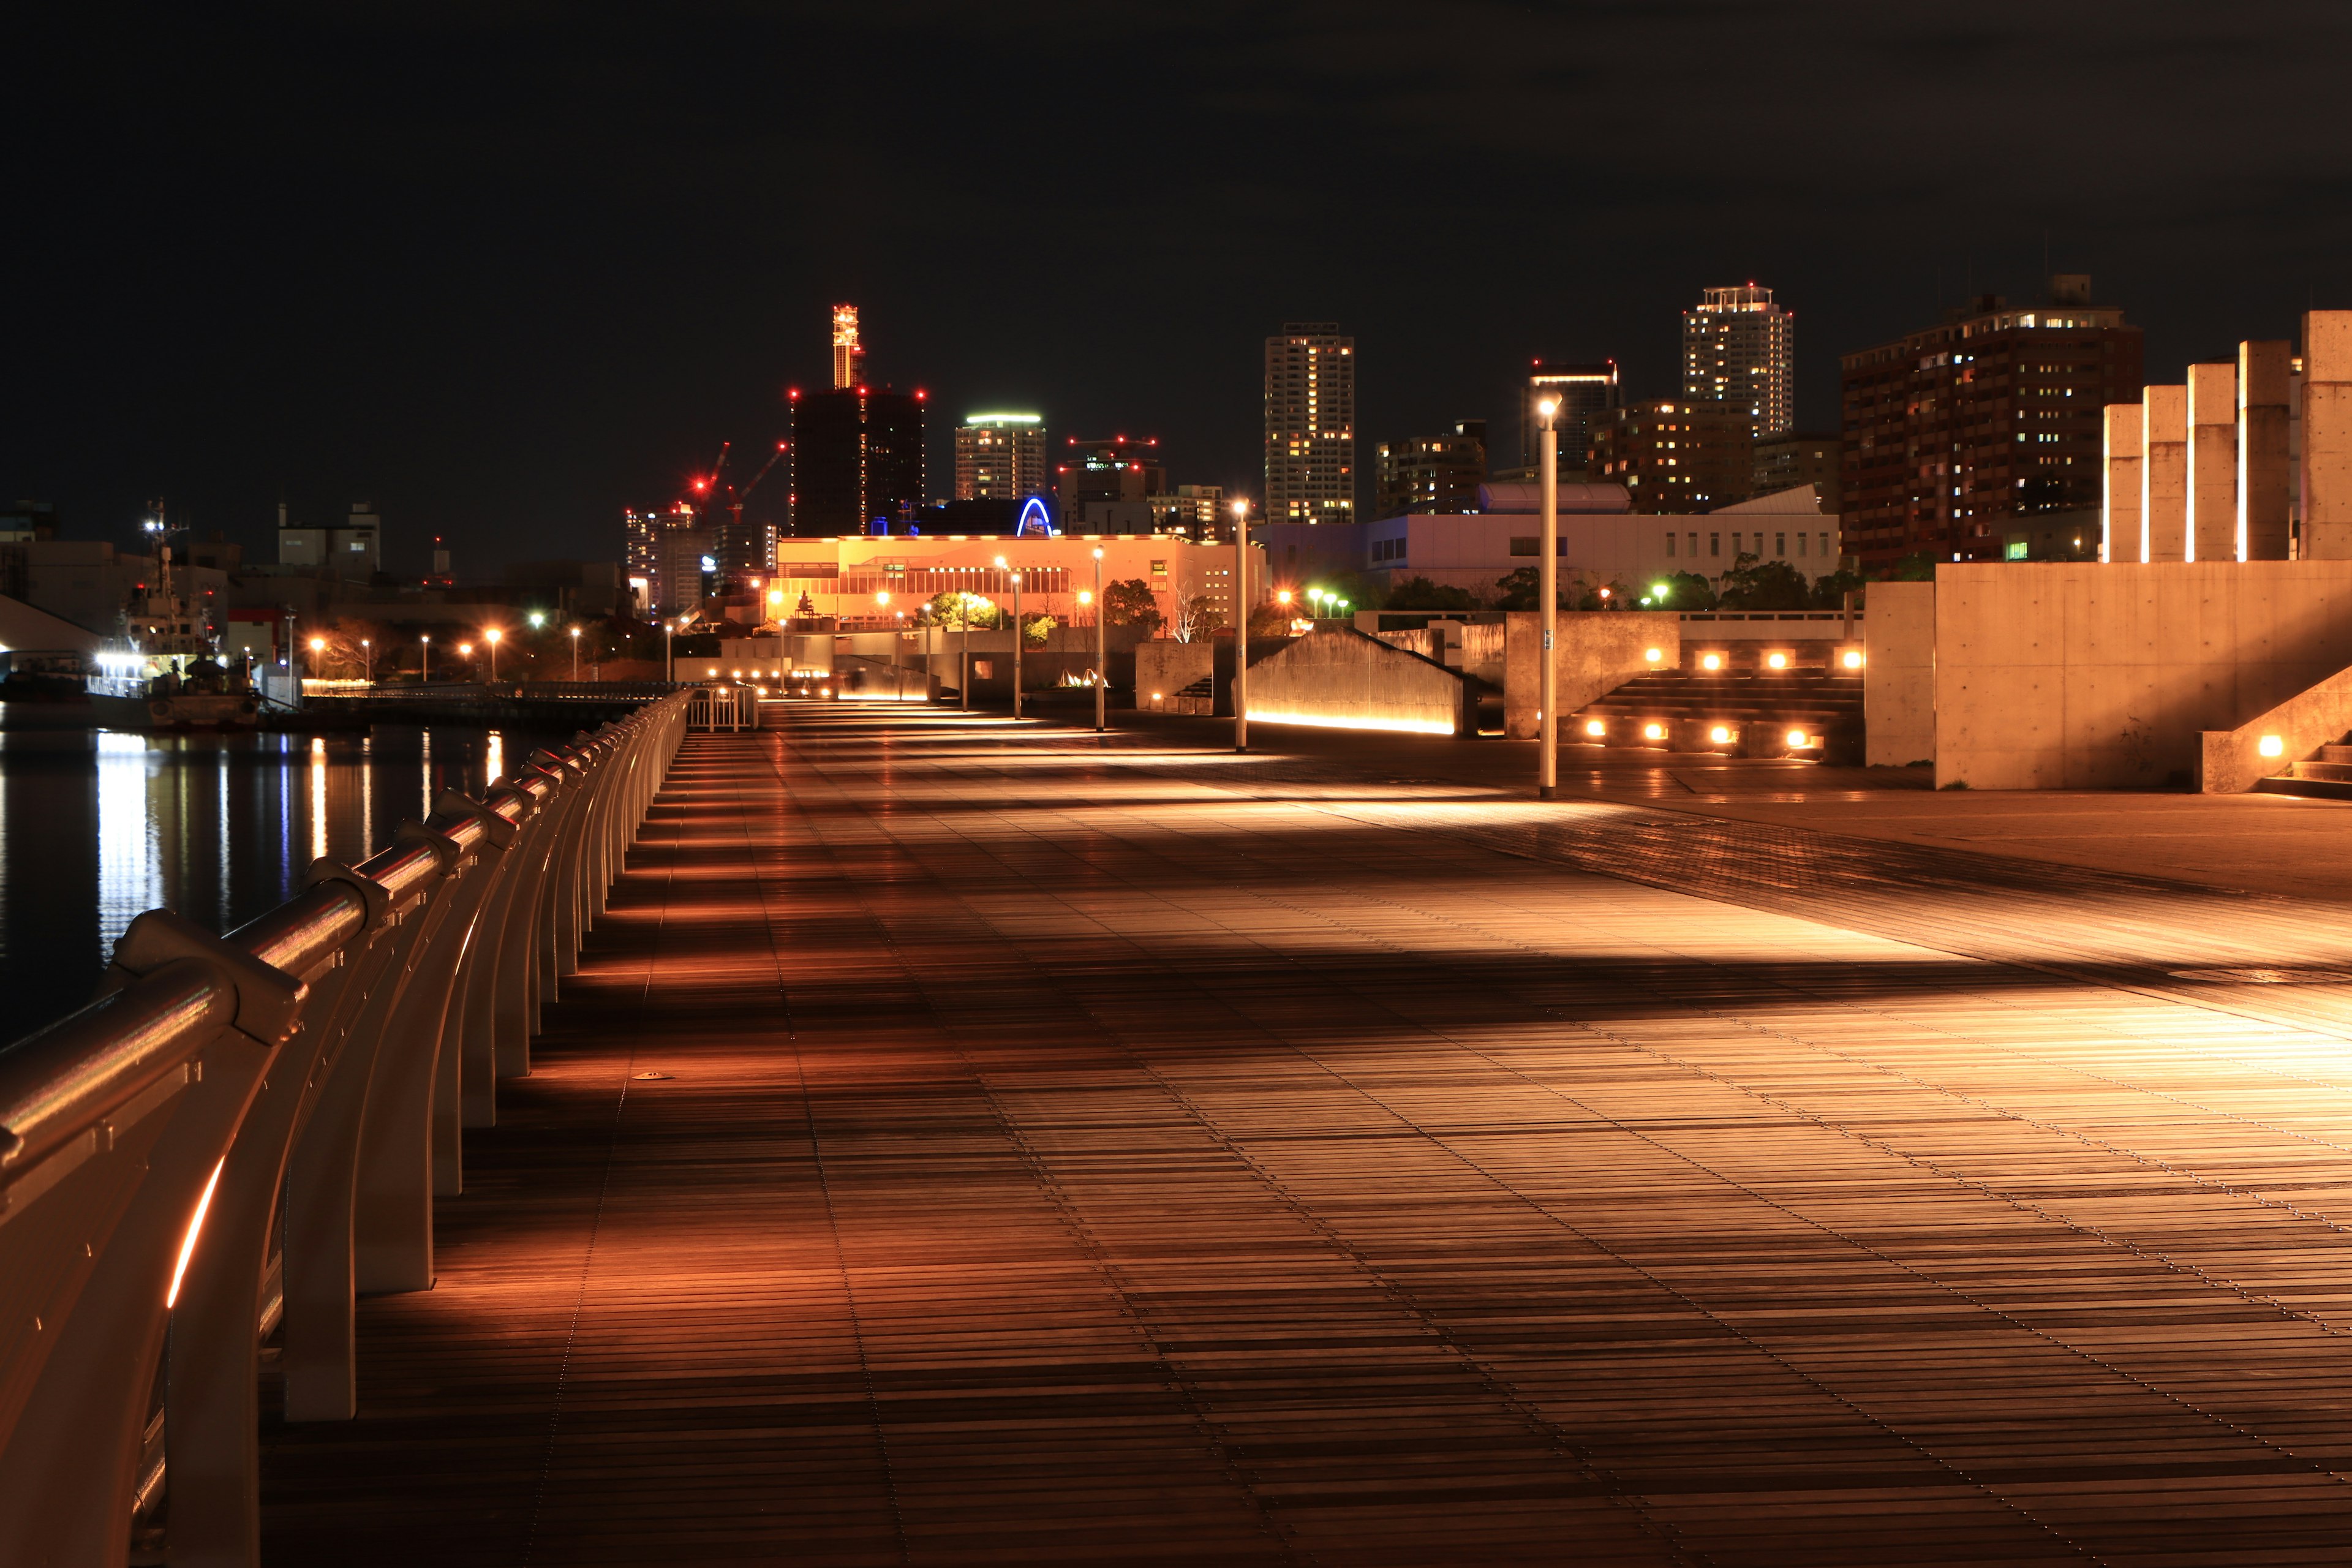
1850, 659
775, 595
1000, 563
1099, 555
1282, 597
575, 634
1720, 735
2273, 746
1660, 591
318, 645
1547, 406
1595, 728
1085, 596
1777, 660
466, 648
493, 635
883, 598
1241, 509
1710, 661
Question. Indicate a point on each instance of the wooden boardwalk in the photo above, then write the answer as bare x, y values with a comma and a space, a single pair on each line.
1069, 1152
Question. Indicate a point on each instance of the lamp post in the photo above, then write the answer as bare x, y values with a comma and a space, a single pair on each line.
367, 660
1102, 651
492, 636
575, 653
1241, 626
425, 675
669, 656
963, 680
1548, 577
1020, 635
319, 652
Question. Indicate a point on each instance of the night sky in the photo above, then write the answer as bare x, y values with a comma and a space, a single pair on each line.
505, 269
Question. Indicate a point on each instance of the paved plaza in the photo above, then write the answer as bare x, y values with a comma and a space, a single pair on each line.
968, 1143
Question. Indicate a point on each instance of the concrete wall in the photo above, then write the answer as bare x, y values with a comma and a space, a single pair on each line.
1338, 678
2164, 473
1164, 666
2327, 436
1598, 651
1898, 678
2264, 477
2090, 677
2119, 510
2212, 482
2232, 761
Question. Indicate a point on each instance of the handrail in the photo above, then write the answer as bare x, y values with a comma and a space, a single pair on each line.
307, 1077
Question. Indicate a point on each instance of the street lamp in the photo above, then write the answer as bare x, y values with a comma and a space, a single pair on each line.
318, 652
1548, 578
669, 657
1102, 647
367, 661
1240, 625
575, 654
425, 675
492, 636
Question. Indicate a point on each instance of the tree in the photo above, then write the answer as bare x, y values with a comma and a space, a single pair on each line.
1420, 593
1037, 625
1831, 588
1918, 567
1196, 617
1132, 603
953, 608
1684, 591
1755, 584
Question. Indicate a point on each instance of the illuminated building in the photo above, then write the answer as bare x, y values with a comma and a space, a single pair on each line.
1105, 484
1192, 511
1001, 457
1675, 456
847, 579
1310, 425
1431, 473
1954, 433
663, 556
1739, 348
857, 460
848, 358
1585, 393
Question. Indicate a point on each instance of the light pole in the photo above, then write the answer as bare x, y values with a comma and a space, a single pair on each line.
425, 674
1017, 636
963, 682
319, 652
493, 635
575, 654
367, 660
669, 656
1548, 578
1241, 626
1102, 651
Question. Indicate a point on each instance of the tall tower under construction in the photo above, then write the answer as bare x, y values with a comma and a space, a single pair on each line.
845, 351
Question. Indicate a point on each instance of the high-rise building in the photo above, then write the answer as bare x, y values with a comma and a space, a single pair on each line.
857, 460
1785, 462
1585, 394
661, 558
1675, 456
1001, 457
1954, 432
1739, 348
1430, 474
848, 358
1105, 485
1194, 511
1310, 425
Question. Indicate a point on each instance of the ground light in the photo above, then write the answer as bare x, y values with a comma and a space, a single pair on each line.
1851, 660
1653, 732
1595, 728
1654, 654
1796, 739
1719, 735
1778, 661
1711, 661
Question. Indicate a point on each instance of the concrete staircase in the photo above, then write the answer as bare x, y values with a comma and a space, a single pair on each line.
1761, 712
2325, 776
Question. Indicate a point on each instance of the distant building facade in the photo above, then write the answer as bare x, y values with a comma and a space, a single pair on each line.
1431, 473
1955, 433
1676, 455
1105, 484
1739, 349
1784, 462
1190, 512
352, 552
1001, 457
1310, 425
1585, 393
857, 460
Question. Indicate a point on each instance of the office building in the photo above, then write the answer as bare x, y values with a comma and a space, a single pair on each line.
1585, 394
1431, 473
352, 552
1784, 462
1105, 484
1310, 425
1001, 457
1190, 512
1997, 414
1739, 349
1675, 455
857, 460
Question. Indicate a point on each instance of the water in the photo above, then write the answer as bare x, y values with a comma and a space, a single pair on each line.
97, 826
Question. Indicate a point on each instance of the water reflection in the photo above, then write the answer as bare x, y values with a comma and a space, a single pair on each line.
97, 827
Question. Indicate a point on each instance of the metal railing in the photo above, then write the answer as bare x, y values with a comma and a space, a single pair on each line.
245, 1132
722, 707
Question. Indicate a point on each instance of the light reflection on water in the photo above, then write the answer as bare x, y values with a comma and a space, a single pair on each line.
96, 827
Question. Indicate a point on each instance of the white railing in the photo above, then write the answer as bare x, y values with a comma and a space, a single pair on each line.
250, 1130
722, 707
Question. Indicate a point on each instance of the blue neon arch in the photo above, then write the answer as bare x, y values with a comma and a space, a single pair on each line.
1033, 508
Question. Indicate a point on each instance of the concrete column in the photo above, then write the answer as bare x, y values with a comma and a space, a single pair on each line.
2212, 462
2265, 374
2327, 436
2164, 473
2119, 504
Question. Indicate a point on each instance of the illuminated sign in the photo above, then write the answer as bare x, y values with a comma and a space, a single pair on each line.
1033, 508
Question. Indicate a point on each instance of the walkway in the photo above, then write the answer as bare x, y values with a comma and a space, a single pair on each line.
1079, 1152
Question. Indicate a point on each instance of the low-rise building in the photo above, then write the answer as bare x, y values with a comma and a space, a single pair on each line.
877, 583
1431, 473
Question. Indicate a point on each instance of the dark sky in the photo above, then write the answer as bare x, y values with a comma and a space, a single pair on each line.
505, 269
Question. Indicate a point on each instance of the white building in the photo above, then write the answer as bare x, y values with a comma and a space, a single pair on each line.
1001, 457
1310, 425
881, 581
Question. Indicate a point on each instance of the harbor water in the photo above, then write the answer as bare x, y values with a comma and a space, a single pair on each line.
99, 826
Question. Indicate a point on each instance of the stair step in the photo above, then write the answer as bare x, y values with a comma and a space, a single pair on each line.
2335, 753
2331, 771
2314, 789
